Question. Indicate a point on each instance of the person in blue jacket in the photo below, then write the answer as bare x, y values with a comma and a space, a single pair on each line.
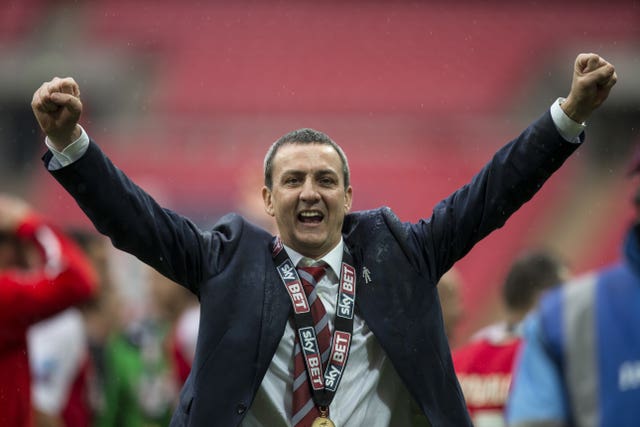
389, 358
580, 364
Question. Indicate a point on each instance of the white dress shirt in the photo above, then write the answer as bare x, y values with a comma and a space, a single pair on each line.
370, 392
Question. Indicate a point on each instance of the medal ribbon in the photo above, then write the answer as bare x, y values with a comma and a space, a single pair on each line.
323, 387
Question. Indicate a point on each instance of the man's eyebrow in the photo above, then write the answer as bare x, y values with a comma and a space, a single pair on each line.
315, 173
293, 172
326, 172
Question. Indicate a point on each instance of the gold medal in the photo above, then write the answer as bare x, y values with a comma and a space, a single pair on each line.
322, 422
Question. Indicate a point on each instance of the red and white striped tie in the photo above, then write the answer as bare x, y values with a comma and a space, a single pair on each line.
304, 410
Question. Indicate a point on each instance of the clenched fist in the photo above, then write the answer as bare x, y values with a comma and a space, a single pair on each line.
593, 78
57, 107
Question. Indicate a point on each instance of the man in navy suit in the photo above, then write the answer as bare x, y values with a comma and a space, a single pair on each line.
399, 369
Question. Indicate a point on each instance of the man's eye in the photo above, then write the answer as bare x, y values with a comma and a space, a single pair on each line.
327, 181
291, 181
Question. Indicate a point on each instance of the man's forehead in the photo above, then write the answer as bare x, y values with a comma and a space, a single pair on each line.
309, 154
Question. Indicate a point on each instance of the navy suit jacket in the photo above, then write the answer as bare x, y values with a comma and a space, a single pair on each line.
244, 306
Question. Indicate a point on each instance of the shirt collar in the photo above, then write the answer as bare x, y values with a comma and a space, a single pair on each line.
333, 258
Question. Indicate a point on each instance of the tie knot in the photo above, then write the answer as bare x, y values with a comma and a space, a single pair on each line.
316, 270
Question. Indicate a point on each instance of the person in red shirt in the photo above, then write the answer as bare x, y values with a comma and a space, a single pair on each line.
484, 365
42, 272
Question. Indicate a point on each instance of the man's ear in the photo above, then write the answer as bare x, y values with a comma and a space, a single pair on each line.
348, 199
268, 204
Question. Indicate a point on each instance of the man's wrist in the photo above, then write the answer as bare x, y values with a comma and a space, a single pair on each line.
71, 152
59, 144
567, 127
572, 112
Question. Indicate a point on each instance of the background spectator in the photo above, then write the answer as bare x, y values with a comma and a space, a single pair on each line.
484, 366
449, 292
42, 272
580, 362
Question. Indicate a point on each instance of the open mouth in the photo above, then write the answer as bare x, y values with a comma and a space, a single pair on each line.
310, 217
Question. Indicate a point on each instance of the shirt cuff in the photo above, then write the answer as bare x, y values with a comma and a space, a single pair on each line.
568, 129
71, 152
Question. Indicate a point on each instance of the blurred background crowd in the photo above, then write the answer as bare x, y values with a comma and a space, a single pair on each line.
187, 96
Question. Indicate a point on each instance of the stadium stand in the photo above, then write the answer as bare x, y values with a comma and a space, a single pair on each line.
228, 78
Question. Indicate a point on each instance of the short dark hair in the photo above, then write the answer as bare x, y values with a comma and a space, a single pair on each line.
530, 274
303, 136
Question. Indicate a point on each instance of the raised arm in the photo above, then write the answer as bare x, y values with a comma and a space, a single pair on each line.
516, 172
118, 208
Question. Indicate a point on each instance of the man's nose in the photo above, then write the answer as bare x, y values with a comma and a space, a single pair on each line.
309, 191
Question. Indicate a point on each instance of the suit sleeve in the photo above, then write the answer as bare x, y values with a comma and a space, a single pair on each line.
137, 224
65, 278
511, 178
